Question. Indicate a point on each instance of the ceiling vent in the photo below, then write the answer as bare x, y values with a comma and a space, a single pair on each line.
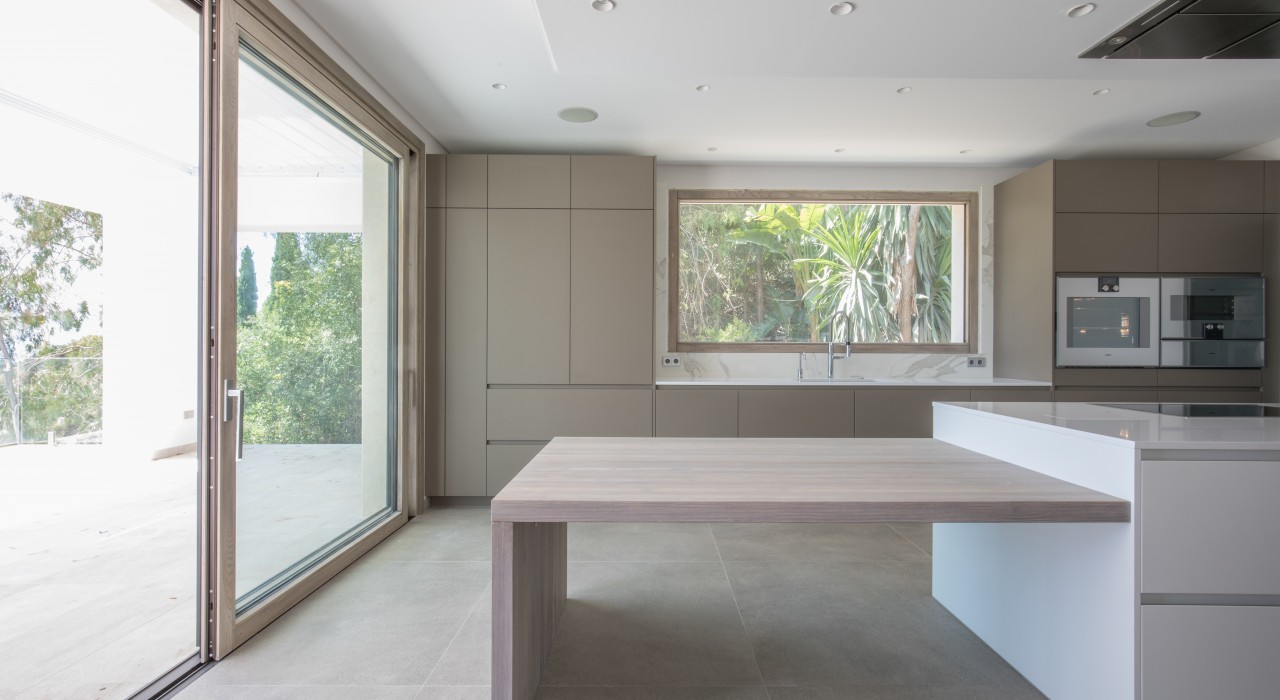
1197, 29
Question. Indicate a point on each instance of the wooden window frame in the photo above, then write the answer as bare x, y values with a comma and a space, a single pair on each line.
968, 199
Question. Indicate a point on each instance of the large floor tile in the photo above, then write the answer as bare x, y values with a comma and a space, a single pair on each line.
440, 534
300, 692
903, 692
797, 542
454, 692
867, 623
653, 693
919, 534
646, 624
641, 542
469, 658
378, 623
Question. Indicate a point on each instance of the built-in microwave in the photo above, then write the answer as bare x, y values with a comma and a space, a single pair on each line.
1212, 321
1108, 321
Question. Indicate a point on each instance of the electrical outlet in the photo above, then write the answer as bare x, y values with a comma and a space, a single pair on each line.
670, 360
978, 361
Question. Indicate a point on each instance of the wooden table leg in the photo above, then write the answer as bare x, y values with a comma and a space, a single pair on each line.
530, 579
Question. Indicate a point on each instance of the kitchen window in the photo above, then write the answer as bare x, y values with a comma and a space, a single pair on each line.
788, 271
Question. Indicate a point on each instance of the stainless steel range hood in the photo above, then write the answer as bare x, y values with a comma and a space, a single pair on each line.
1197, 29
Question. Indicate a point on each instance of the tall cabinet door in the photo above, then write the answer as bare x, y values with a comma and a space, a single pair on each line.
611, 297
308, 381
528, 291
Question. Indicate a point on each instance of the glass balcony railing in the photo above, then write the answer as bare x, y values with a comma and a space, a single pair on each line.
51, 400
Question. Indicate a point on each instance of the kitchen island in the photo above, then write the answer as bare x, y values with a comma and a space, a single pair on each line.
737, 480
1183, 602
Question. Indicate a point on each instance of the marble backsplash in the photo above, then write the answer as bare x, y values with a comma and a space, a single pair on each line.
726, 366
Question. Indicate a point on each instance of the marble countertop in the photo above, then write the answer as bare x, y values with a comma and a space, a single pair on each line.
1140, 429
861, 382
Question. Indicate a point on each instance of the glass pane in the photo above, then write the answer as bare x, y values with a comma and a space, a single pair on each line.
1105, 322
99, 373
804, 272
316, 204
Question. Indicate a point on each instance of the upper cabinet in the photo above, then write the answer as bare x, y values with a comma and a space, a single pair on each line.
529, 182
1106, 186
1211, 186
611, 182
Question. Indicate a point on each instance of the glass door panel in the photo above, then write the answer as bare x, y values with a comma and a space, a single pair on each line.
315, 234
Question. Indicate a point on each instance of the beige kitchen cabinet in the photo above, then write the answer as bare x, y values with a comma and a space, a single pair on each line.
1193, 652
1105, 376
466, 181
528, 293
1104, 395
505, 461
611, 182
1112, 243
1211, 186
611, 297
1210, 395
1271, 183
900, 412
696, 413
546, 413
1211, 243
1012, 394
465, 337
529, 182
1106, 186
801, 412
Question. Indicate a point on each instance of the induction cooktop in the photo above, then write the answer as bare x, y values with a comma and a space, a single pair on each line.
1202, 410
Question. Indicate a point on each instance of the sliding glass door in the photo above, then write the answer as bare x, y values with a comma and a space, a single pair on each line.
312, 209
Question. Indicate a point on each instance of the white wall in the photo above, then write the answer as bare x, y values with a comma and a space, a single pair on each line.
1263, 151
783, 365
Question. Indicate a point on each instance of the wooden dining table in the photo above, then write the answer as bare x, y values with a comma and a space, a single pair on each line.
735, 480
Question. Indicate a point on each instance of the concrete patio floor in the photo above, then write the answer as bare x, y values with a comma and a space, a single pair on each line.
98, 555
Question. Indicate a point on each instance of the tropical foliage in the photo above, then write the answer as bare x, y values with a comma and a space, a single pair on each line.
784, 272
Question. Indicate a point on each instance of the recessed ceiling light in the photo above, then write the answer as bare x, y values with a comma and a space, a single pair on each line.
703, 88
1117, 40
603, 5
1103, 91
1175, 118
712, 148
578, 115
499, 86
842, 8
904, 89
1081, 10
967, 150
839, 150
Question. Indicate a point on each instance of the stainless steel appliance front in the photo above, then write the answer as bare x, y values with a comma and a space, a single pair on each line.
1212, 322
1108, 322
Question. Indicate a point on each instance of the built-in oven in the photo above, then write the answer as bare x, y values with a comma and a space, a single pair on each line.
1108, 321
1212, 321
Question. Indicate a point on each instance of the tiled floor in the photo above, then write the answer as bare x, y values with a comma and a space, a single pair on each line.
655, 612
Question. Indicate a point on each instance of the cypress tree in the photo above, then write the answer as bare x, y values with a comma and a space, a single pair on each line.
247, 287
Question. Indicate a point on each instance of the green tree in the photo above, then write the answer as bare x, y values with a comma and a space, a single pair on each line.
299, 363
44, 247
62, 390
246, 287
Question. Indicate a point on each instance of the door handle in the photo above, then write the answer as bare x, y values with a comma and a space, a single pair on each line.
238, 395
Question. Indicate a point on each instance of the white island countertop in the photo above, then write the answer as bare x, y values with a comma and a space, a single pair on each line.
848, 382
1108, 423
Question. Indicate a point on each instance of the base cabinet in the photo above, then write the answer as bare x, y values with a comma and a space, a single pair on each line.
505, 461
900, 413
1193, 652
819, 412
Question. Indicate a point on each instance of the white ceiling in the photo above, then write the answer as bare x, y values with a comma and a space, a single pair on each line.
790, 82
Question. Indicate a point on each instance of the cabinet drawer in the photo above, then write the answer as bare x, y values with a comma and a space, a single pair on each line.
697, 413
543, 414
1215, 378
1210, 527
900, 413
505, 461
1193, 652
795, 412
1104, 377
1210, 395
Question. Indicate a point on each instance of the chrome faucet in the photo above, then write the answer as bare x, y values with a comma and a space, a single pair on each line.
831, 344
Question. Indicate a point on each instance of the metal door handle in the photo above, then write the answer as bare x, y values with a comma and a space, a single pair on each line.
238, 395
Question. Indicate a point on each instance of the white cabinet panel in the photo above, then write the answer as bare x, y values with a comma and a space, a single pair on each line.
1195, 652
